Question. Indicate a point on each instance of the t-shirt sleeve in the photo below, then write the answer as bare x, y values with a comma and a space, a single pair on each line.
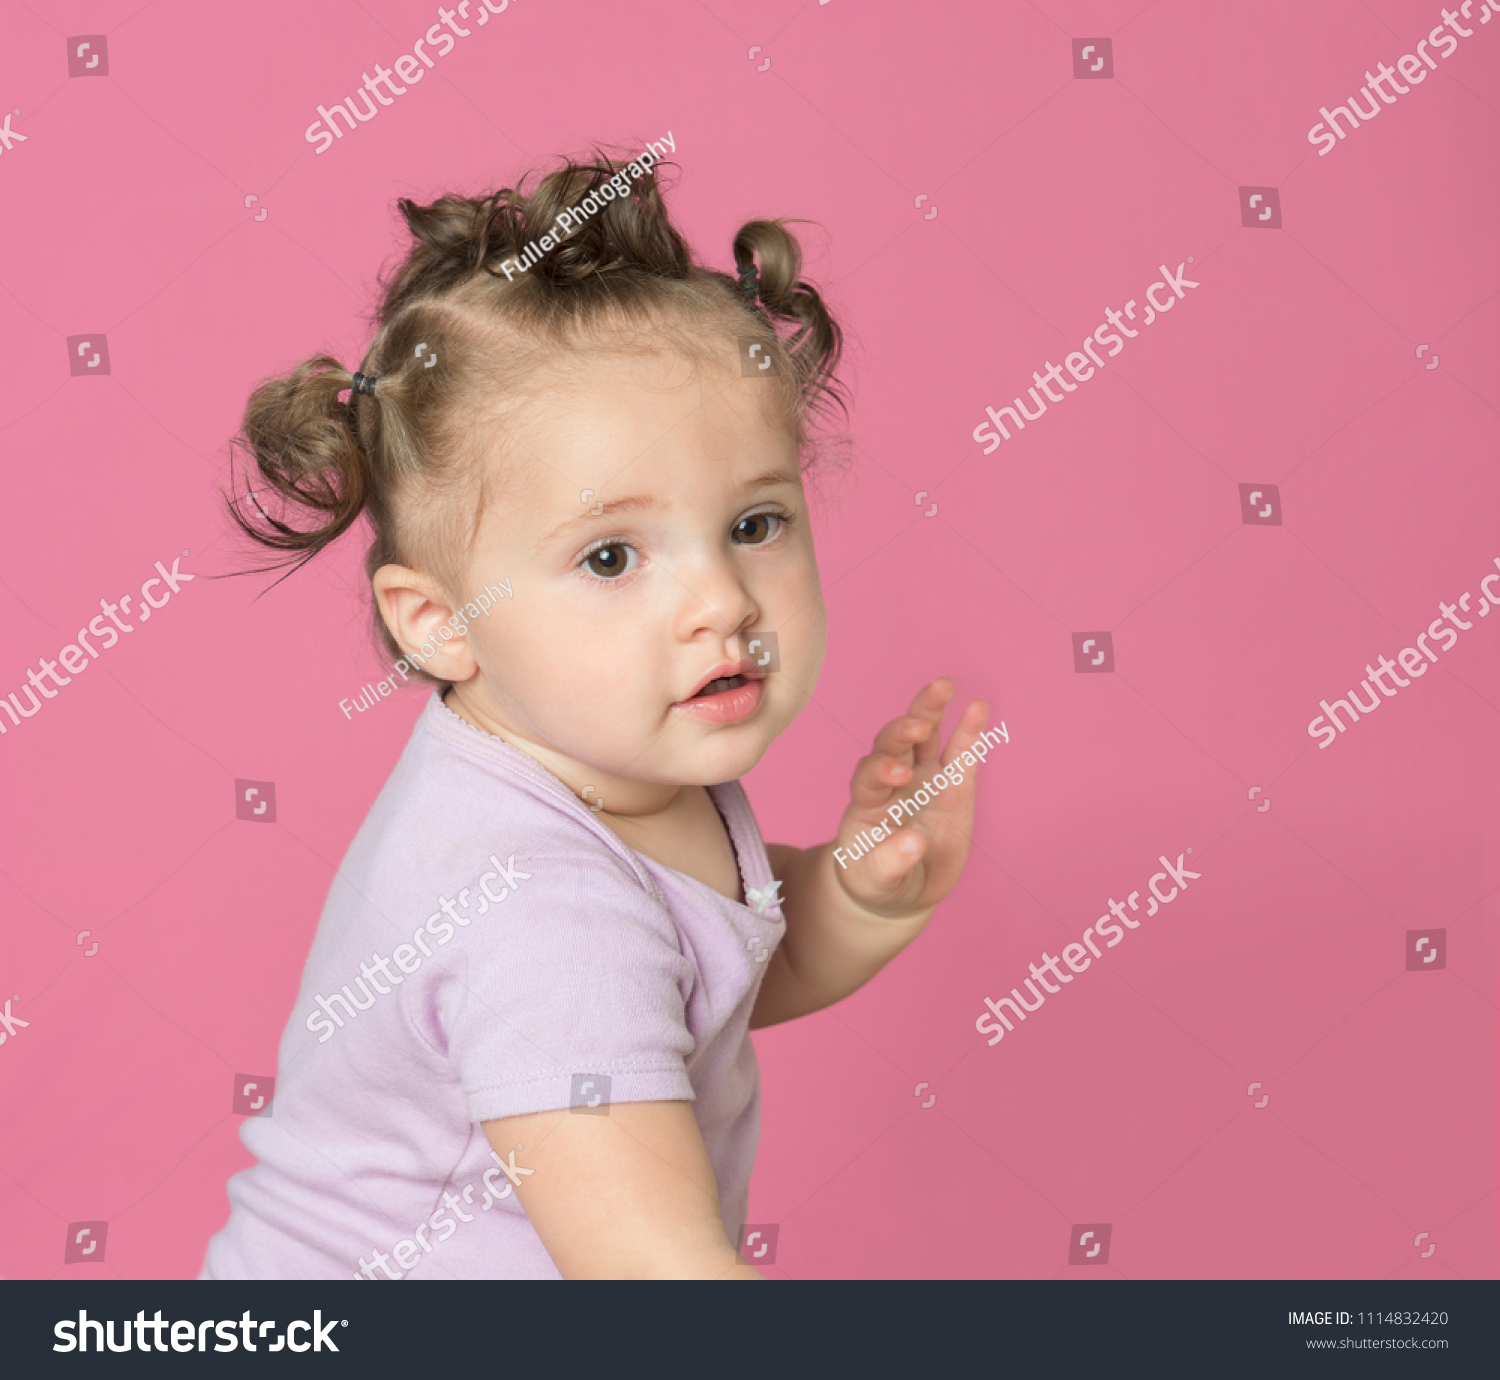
577, 977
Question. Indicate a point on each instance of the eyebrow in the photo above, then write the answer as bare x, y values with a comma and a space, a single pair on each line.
767, 480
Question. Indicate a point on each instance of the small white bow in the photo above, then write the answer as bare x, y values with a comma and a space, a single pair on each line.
763, 899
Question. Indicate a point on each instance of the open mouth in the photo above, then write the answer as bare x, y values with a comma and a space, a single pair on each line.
725, 699
717, 687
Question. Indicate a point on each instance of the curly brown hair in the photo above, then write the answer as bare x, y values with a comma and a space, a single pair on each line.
625, 276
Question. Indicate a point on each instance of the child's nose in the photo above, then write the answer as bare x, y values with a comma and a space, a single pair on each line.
716, 599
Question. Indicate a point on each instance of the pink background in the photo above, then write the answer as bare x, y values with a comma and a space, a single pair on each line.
1123, 1100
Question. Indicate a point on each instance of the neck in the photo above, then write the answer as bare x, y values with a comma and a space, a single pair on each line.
622, 800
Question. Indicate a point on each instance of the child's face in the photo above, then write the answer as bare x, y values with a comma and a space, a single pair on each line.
618, 619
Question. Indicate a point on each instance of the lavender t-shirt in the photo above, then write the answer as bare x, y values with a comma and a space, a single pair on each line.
490, 948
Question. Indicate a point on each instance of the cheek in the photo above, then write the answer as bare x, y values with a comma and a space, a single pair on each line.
794, 591
558, 658
792, 605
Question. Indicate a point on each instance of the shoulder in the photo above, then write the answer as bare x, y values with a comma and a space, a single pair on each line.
464, 809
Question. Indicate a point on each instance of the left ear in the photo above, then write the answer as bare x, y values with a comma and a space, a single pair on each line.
423, 622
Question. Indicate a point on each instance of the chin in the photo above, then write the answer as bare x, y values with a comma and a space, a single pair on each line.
728, 760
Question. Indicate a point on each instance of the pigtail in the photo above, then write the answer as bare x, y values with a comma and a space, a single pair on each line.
768, 256
309, 480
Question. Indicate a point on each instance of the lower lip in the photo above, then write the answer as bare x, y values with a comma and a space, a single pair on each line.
728, 706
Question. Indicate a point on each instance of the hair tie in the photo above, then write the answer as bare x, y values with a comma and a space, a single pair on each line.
749, 280
365, 383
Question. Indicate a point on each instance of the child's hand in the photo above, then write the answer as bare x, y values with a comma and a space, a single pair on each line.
847, 917
911, 871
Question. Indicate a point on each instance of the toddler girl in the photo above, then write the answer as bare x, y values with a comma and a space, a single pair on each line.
521, 1048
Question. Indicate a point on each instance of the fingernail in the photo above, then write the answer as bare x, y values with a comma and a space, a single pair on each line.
910, 844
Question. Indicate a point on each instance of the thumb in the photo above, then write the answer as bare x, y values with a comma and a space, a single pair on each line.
887, 870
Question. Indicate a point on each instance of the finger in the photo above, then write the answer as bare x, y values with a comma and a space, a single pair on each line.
968, 731
901, 735
929, 703
876, 778
957, 799
889, 867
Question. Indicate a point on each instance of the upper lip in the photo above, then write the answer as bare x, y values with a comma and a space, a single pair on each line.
746, 668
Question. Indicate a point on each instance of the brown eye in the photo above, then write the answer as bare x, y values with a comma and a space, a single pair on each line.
755, 529
608, 561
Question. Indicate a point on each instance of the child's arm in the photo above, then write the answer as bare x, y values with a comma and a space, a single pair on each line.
844, 924
630, 1195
